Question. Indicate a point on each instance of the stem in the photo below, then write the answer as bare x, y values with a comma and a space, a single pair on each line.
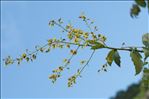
107, 47
132, 47
71, 43
124, 49
70, 58
87, 62
88, 25
61, 26
34, 51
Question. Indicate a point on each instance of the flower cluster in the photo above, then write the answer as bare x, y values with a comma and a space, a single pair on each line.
8, 60
74, 36
58, 70
24, 56
54, 77
55, 43
56, 73
72, 80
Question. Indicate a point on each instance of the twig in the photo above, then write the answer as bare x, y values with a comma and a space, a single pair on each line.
88, 25
70, 58
124, 49
87, 62
71, 43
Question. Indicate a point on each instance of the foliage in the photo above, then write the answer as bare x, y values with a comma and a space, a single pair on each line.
131, 92
135, 91
113, 55
136, 58
145, 78
136, 8
87, 39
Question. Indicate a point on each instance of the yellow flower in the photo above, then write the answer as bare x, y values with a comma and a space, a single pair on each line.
53, 76
85, 35
49, 41
65, 60
68, 45
73, 52
76, 40
82, 62
61, 68
23, 55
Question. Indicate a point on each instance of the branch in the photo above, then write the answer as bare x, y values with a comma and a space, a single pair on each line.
107, 47
125, 49
71, 43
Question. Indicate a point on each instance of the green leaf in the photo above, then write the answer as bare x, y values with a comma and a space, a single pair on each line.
110, 57
146, 70
117, 57
97, 46
146, 52
113, 55
135, 10
145, 39
141, 3
136, 58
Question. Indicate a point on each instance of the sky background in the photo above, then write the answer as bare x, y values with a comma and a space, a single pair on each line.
25, 25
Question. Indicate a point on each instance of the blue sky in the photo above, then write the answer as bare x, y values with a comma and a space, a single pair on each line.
25, 24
